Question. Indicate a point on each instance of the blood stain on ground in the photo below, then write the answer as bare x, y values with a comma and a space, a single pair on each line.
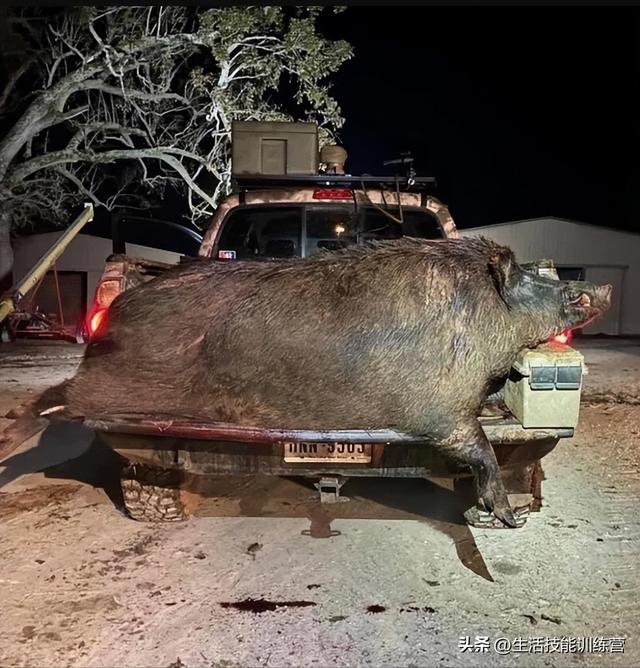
261, 605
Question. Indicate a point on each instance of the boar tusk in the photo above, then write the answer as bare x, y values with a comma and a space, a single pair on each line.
585, 300
582, 300
53, 409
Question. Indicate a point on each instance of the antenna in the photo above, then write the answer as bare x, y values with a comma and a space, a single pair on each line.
405, 159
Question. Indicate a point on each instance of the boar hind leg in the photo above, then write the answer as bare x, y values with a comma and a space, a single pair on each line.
468, 446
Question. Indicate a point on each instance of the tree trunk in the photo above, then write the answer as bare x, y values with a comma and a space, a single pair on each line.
6, 253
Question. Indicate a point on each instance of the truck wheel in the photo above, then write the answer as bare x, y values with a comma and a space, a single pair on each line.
152, 494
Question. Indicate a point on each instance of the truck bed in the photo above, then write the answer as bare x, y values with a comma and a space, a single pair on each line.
219, 448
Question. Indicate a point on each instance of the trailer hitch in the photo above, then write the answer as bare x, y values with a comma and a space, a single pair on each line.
329, 489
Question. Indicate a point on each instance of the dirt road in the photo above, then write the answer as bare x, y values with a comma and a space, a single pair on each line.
265, 576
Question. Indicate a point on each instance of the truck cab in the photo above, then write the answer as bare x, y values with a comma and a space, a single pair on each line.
299, 221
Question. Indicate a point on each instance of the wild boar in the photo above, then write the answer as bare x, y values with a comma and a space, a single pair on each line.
405, 334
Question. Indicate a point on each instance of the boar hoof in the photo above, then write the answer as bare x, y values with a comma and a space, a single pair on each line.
507, 519
507, 516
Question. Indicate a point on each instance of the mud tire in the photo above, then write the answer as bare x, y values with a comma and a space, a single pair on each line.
152, 494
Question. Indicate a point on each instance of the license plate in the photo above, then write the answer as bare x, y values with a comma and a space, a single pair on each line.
342, 453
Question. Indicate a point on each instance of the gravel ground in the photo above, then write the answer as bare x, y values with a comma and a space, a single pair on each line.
264, 576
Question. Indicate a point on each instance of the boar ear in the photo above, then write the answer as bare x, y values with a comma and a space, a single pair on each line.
500, 264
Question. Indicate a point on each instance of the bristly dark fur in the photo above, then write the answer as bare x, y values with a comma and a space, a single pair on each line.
401, 333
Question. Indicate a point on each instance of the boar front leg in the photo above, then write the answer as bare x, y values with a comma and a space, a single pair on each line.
468, 445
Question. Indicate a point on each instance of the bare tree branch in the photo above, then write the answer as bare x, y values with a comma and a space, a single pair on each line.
13, 80
68, 156
79, 185
129, 103
129, 92
85, 130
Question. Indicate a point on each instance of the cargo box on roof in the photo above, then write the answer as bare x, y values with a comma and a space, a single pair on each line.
274, 148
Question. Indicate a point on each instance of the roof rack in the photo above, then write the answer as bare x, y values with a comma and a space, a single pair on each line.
419, 183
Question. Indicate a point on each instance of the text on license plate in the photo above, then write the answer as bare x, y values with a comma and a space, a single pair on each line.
344, 453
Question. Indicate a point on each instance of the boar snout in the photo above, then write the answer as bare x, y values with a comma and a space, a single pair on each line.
585, 301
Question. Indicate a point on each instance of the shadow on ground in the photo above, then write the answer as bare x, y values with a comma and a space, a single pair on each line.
70, 451
432, 502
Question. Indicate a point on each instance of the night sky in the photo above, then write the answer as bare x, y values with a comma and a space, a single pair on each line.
518, 112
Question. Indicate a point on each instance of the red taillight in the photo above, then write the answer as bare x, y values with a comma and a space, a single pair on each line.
106, 292
563, 337
96, 319
332, 193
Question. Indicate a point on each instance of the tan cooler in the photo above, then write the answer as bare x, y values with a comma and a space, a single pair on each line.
274, 148
543, 389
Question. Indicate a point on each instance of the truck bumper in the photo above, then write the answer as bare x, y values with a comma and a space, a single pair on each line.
226, 449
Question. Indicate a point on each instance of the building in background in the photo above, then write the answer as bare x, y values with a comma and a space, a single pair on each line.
584, 252
79, 269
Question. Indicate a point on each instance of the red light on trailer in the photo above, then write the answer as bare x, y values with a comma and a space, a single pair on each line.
332, 193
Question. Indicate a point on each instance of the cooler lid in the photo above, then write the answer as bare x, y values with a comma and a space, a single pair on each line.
548, 354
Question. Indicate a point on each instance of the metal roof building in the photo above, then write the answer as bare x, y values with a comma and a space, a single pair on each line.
584, 252
79, 269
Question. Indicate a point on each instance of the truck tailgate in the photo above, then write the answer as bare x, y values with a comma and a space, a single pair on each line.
501, 429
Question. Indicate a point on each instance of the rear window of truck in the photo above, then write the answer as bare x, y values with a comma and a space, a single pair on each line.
266, 231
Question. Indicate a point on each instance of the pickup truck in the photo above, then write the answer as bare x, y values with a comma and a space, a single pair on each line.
272, 218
